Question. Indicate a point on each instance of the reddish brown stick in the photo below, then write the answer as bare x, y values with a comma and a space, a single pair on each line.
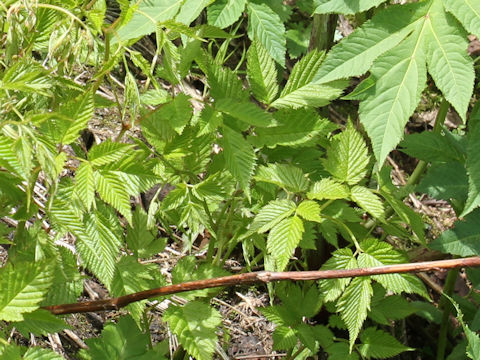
254, 277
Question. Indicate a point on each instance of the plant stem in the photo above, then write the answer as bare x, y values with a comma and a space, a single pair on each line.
323, 31
447, 307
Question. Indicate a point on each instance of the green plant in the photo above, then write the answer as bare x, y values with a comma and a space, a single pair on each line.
245, 161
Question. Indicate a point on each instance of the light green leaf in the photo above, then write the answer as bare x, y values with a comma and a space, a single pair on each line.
283, 239
85, 184
23, 286
191, 9
262, 74
447, 58
224, 83
265, 26
346, 7
303, 71
195, 324
107, 152
463, 239
41, 322
354, 55
400, 79
286, 176
430, 146
467, 12
37, 353
347, 157
79, 111
378, 344
309, 210
247, 112
327, 188
112, 190
9, 157
354, 304
240, 158
145, 18
284, 338
223, 13
473, 168
178, 112
367, 201
271, 214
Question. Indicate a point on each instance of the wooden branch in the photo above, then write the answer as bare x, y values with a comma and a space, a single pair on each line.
257, 277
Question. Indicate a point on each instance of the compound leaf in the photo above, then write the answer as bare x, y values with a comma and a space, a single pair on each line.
283, 239
262, 74
223, 13
378, 344
271, 214
467, 12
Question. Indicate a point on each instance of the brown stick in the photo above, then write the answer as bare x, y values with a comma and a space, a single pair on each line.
256, 277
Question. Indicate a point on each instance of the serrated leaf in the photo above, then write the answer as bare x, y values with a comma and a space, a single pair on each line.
445, 181
41, 322
473, 168
447, 59
430, 146
467, 12
309, 210
284, 338
261, 72
247, 112
354, 304
191, 9
303, 71
112, 190
178, 112
394, 307
224, 83
271, 214
9, 157
346, 7
107, 152
37, 353
240, 158
224, 13
347, 157
400, 79
354, 55
367, 200
341, 259
327, 188
378, 344
85, 184
195, 325
286, 176
283, 239
265, 26
80, 111
23, 286
463, 239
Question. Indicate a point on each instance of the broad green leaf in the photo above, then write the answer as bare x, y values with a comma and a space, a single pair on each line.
400, 79
463, 239
393, 307
85, 184
224, 83
283, 239
447, 59
178, 112
341, 351
327, 188
9, 158
23, 286
430, 146
354, 304
145, 18
191, 9
473, 167
346, 7
378, 344
195, 325
284, 338
37, 353
247, 112
347, 157
141, 238
79, 112
265, 26
223, 13
309, 210
354, 55
341, 259
107, 152
271, 214
41, 322
367, 200
112, 190
240, 158
303, 71
262, 74
445, 181
467, 12
286, 176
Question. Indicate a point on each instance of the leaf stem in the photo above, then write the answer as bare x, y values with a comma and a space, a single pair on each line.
447, 308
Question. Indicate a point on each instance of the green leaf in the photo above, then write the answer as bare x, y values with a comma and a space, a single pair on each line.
346, 7
247, 112
473, 168
354, 55
327, 188
265, 26
347, 157
378, 344
394, 307
41, 322
367, 201
303, 71
107, 152
224, 83
37, 353
9, 158
112, 190
309, 210
354, 304
178, 112
463, 239
145, 18
195, 324
447, 58
467, 12
445, 181
79, 111
286, 176
400, 79
239, 155
271, 214
430, 146
23, 286
262, 73
283, 239
141, 238
284, 338
85, 184
191, 9
223, 13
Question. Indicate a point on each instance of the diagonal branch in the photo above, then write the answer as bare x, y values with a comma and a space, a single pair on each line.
258, 277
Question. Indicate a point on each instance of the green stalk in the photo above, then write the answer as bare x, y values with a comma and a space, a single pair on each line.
447, 308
